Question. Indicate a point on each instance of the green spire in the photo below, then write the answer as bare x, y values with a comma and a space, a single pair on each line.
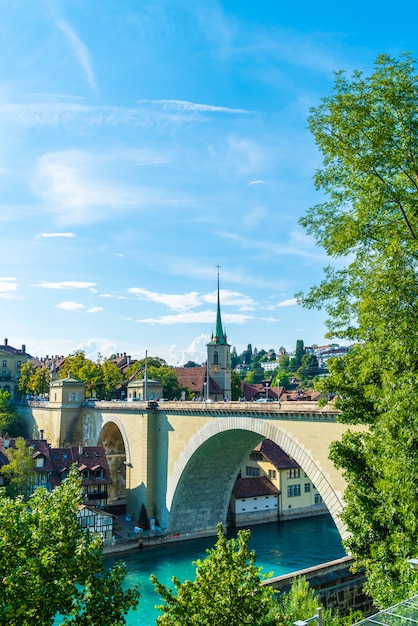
220, 336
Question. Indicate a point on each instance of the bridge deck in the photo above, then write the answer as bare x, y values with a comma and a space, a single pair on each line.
305, 411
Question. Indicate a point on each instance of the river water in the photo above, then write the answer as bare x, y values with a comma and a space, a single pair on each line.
280, 548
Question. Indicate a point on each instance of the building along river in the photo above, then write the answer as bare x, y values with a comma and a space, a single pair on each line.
280, 548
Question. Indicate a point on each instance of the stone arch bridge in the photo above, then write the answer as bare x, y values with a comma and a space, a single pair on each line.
180, 459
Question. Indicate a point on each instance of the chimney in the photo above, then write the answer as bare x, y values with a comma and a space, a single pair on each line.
41, 434
6, 442
23, 348
5, 341
80, 449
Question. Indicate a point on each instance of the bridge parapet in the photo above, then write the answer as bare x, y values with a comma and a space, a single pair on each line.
306, 411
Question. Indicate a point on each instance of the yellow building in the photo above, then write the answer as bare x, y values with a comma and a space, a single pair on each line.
272, 486
11, 361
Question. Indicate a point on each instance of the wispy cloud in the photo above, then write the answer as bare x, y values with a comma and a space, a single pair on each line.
256, 182
57, 235
66, 284
177, 302
8, 288
95, 309
72, 189
230, 298
70, 306
184, 105
205, 317
80, 51
289, 302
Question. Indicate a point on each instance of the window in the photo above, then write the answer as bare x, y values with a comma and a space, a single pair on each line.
307, 487
252, 471
318, 498
293, 491
256, 456
293, 473
4, 363
98, 473
215, 357
40, 461
272, 474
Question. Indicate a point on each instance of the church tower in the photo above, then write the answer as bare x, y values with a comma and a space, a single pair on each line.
218, 360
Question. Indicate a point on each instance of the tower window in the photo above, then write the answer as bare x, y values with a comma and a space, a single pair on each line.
215, 357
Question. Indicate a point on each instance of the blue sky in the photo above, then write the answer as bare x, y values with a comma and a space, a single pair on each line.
144, 142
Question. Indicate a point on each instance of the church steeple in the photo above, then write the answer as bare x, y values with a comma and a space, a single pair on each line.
218, 359
220, 335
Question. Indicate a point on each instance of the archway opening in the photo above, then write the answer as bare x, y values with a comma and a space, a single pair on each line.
111, 440
200, 486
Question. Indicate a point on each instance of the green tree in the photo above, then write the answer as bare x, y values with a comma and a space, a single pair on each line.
19, 472
26, 372
301, 603
78, 366
9, 418
111, 377
255, 374
168, 377
54, 570
40, 381
296, 361
367, 131
236, 387
227, 590
235, 359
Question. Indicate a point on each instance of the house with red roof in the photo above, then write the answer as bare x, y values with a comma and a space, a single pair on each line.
272, 486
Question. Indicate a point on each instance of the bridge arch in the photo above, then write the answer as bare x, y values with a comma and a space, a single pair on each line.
209, 464
114, 439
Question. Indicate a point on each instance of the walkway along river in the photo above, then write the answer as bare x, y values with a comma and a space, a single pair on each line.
280, 548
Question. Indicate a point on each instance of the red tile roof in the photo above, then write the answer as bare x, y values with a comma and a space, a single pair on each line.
254, 487
276, 455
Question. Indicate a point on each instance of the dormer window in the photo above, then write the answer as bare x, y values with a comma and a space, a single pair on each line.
40, 461
98, 473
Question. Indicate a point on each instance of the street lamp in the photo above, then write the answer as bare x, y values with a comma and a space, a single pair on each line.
267, 392
317, 617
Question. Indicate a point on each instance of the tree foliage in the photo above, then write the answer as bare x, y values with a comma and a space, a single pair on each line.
19, 472
301, 603
9, 418
227, 590
367, 131
52, 569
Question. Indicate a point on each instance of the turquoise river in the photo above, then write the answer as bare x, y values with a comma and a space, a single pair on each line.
280, 548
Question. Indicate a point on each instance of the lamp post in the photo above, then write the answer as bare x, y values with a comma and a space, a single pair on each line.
317, 617
267, 392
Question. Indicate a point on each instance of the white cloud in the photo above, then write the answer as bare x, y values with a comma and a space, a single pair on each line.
289, 302
57, 235
206, 317
66, 284
69, 306
256, 182
95, 309
184, 105
177, 302
80, 51
230, 298
8, 287
72, 189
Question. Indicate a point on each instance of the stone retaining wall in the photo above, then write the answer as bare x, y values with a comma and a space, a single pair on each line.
337, 587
